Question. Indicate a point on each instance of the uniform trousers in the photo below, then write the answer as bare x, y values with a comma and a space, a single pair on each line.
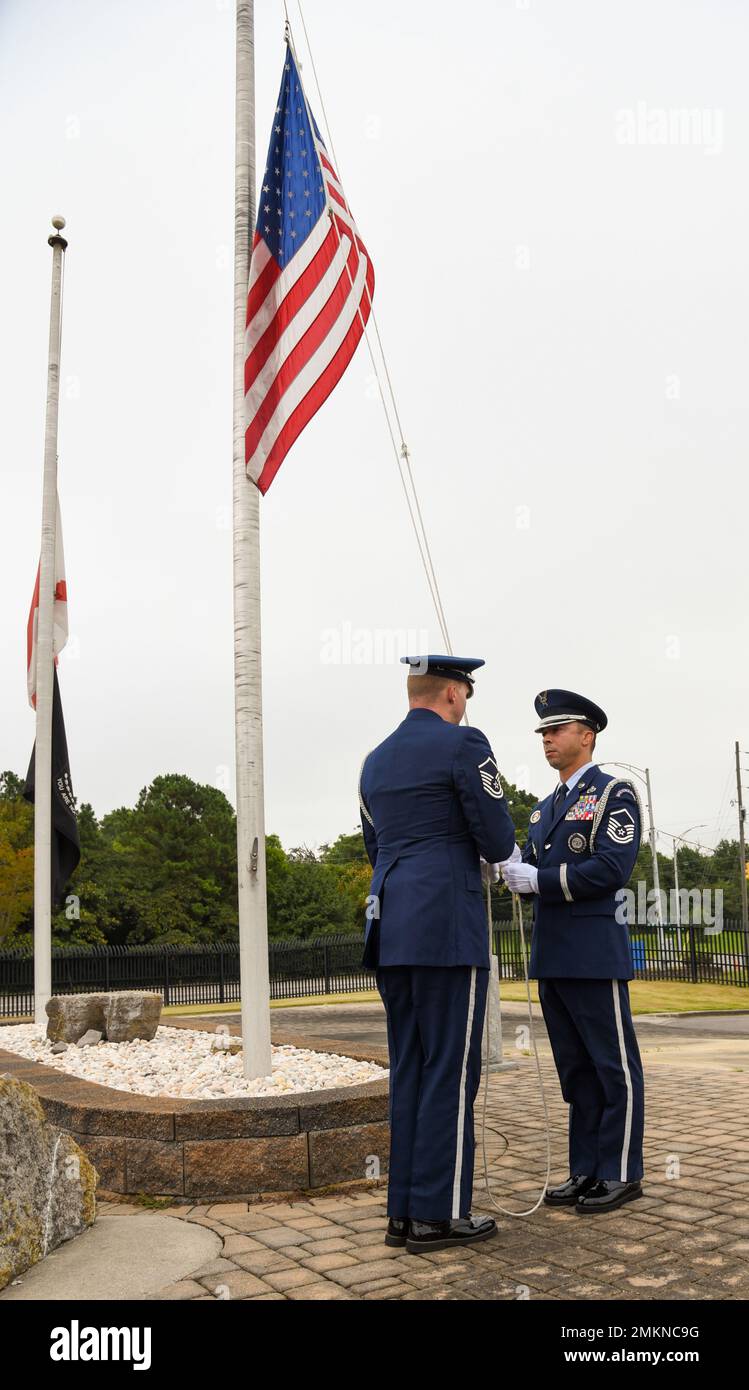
593, 1040
435, 1018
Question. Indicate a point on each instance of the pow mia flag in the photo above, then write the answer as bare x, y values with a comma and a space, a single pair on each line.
66, 845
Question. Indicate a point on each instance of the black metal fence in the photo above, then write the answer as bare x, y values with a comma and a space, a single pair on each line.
688, 953
332, 965
206, 974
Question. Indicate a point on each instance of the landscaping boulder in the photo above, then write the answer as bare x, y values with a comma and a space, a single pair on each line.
47, 1184
119, 1016
72, 1015
131, 1014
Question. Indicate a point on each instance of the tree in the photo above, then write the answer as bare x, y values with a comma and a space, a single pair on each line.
16, 859
308, 901
170, 864
165, 870
347, 849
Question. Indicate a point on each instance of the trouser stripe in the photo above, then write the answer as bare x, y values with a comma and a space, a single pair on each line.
462, 1097
627, 1079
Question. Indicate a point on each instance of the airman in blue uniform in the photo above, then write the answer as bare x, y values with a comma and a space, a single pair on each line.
581, 849
432, 805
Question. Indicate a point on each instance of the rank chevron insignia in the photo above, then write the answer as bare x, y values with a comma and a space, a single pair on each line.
621, 827
490, 778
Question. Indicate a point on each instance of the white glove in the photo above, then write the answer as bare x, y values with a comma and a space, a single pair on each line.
521, 878
512, 859
489, 872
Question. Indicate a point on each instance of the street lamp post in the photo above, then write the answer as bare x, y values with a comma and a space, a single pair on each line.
676, 839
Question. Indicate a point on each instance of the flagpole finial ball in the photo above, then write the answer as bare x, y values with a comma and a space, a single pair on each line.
58, 223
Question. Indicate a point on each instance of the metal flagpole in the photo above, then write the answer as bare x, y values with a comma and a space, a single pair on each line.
45, 652
742, 847
676, 891
248, 716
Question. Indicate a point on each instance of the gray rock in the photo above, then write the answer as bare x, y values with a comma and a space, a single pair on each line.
71, 1015
47, 1184
90, 1038
132, 1014
59, 1047
119, 1016
222, 1043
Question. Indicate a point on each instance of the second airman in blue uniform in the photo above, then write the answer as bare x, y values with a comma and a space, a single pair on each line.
581, 849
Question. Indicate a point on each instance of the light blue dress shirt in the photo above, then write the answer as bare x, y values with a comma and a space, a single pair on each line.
574, 777
572, 780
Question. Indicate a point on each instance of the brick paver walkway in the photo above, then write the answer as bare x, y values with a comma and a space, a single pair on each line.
687, 1238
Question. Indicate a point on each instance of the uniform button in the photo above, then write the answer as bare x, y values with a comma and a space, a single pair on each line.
547, 846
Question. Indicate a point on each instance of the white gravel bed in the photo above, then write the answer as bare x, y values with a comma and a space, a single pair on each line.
179, 1062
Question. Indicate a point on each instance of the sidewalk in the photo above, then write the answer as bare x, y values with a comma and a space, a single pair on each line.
687, 1238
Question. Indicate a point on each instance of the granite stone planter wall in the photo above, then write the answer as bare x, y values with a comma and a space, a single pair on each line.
206, 1149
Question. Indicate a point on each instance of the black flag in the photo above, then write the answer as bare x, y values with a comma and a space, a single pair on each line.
66, 845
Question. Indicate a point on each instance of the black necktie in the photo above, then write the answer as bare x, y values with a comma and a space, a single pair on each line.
559, 795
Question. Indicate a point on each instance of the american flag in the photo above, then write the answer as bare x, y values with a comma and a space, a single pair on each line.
310, 288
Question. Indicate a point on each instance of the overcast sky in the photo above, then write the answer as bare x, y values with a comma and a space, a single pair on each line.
554, 196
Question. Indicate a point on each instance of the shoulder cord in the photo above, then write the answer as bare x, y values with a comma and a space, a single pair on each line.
365, 812
603, 800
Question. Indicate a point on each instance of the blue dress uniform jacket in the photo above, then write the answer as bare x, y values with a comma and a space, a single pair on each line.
431, 803
585, 851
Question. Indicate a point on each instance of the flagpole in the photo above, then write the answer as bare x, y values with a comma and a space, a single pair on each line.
248, 717
45, 652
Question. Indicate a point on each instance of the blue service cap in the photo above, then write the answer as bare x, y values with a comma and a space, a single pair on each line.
563, 706
457, 667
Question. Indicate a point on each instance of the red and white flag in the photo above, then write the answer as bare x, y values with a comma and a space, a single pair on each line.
60, 618
310, 289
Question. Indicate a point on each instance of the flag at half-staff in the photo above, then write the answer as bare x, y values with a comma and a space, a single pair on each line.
310, 286
65, 845
65, 849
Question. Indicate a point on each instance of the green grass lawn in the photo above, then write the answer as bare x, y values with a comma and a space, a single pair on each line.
647, 997
658, 996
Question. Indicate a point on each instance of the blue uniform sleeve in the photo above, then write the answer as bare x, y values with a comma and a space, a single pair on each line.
528, 857
477, 783
616, 842
368, 830
526, 854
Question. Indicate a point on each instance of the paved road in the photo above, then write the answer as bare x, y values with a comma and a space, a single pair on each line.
695, 1042
365, 1024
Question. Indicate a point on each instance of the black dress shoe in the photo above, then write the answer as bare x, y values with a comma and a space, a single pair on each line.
442, 1235
568, 1193
607, 1195
396, 1232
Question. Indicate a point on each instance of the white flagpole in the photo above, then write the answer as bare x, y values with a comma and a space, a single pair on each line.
45, 653
248, 715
